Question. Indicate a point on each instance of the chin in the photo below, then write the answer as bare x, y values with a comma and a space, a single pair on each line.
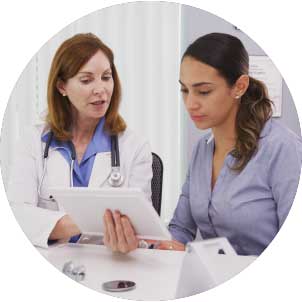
99, 114
202, 126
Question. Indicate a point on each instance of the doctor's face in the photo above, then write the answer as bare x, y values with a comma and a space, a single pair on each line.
207, 96
90, 90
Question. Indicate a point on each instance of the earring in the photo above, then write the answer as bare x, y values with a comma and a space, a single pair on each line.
237, 97
64, 94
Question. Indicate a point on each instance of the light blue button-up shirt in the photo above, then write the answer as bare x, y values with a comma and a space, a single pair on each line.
247, 207
100, 142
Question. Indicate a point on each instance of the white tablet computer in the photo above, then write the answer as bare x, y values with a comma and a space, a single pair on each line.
87, 206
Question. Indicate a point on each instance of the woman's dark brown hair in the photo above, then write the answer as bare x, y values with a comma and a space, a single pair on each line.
228, 56
68, 60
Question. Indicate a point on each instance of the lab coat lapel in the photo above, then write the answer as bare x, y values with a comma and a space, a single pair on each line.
57, 171
101, 169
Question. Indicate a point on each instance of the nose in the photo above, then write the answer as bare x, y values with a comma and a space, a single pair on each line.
191, 102
99, 87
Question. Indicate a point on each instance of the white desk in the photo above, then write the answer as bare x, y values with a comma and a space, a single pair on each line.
155, 272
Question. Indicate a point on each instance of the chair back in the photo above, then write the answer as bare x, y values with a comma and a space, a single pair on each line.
157, 182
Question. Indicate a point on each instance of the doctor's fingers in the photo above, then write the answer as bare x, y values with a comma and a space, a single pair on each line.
129, 233
121, 240
112, 238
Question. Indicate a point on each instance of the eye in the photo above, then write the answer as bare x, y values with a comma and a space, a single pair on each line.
184, 91
85, 81
204, 92
107, 77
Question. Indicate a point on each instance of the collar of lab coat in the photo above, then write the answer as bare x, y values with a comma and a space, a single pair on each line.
100, 146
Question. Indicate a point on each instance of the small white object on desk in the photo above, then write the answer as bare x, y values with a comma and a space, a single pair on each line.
208, 263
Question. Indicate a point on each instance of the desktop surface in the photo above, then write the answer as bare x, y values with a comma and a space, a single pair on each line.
155, 272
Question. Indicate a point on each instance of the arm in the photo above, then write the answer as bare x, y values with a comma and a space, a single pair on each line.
284, 173
182, 226
37, 223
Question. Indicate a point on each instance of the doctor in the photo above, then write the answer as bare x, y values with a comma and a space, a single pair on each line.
75, 145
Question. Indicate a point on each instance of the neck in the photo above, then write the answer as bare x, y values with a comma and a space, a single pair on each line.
83, 129
225, 137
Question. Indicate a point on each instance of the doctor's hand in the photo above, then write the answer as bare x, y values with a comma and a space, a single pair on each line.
64, 229
119, 234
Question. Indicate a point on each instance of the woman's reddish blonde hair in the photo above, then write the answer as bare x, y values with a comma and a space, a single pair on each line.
68, 60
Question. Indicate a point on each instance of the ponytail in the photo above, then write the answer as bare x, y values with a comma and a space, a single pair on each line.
254, 110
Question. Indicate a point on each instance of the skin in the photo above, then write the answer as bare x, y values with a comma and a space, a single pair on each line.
89, 92
120, 236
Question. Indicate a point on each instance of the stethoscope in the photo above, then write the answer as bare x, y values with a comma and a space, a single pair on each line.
115, 178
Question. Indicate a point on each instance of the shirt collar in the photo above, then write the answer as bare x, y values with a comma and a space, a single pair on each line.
211, 137
54, 142
100, 141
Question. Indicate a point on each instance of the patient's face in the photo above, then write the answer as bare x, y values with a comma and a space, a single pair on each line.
207, 96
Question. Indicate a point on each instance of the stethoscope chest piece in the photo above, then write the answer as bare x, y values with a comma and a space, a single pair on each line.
115, 179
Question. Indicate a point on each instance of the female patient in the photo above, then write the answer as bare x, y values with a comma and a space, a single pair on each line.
243, 177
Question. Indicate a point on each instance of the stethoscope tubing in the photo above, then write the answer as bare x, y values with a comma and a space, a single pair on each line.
115, 178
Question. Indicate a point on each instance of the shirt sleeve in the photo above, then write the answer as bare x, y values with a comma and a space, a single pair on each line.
182, 226
22, 191
285, 167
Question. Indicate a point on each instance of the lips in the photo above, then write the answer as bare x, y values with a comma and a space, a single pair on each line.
99, 102
198, 118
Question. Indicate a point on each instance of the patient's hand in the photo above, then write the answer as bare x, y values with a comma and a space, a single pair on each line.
119, 234
172, 245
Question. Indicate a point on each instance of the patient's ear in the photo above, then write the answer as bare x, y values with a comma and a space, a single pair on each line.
241, 86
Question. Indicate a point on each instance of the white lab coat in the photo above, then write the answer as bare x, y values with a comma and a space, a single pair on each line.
36, 216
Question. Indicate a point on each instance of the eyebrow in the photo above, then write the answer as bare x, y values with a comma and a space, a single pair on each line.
89, 72
196, 84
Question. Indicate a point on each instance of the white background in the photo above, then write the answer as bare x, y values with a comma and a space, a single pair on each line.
26, 26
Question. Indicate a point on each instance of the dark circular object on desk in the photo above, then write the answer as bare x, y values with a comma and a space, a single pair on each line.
118, 286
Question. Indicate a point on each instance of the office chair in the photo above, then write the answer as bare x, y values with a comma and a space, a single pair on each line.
157, 182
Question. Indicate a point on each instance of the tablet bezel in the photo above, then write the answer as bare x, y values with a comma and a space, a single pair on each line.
82, 204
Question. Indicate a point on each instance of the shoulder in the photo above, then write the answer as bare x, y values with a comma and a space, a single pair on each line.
278, 139
31, 133
129, 138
